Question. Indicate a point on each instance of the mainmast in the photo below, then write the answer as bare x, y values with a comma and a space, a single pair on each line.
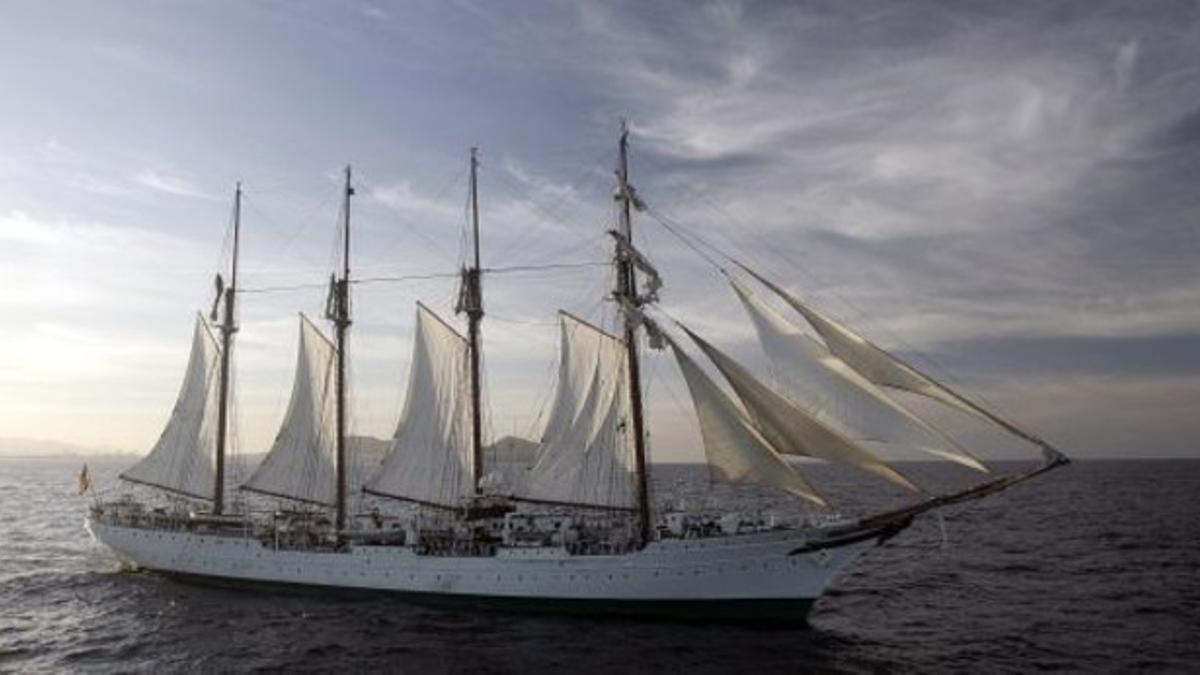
341, 320
627, 291
228, 328
472, 304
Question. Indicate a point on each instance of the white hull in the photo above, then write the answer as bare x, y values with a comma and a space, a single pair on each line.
753, 572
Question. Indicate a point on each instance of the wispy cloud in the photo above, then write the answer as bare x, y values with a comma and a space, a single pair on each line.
374, 12
402, 197
172, 185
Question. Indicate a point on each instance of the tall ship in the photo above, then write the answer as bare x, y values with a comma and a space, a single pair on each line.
579, 530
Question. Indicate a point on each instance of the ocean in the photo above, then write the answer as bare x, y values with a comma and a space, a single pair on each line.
1095, 567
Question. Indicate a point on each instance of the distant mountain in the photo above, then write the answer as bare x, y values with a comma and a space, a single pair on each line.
37, 447
512, 450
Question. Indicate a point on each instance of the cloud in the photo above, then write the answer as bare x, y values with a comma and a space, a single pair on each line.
172, 185
402, 197
375, 12
1124, 64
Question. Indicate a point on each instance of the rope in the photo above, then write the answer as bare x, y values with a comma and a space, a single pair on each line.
426, 277
549, 266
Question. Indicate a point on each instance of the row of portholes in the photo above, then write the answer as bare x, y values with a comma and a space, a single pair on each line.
572, 577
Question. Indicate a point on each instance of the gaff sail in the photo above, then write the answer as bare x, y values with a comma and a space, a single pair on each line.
430, 459
182, 461
301, 462
586, 453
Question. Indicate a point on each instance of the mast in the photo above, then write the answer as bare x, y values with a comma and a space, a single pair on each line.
228, 328
627, 289
341, 321
473, 306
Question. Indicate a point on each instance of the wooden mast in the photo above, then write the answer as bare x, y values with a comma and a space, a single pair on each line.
627, 290
342, 322
228, 328
473, 305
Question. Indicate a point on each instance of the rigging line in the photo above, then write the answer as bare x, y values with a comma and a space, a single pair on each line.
227, 240
522, 322
553, 214
521, 194
405, 277
455, 178
943, 372
548, 266
599, 162
929, 361
276, 289
663, 221
306, 222
657, 369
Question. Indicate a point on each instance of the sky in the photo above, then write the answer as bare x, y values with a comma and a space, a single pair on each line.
1007, 194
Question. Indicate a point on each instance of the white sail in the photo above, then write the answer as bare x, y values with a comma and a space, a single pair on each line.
586, 453
301, 464
880, 367
182, 460
430, 457
792, 429
736, 453
821, 382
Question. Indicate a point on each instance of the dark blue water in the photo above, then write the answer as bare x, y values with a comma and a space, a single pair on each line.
1094, 568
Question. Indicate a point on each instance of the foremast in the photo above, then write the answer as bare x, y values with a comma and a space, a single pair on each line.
227, 327
340, 315
471, 303
626, 295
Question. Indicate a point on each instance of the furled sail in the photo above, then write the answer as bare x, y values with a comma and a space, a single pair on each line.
586, 453
822, 383
791, 429
736, 453
884, 369
182, 459
301, 462
430, 457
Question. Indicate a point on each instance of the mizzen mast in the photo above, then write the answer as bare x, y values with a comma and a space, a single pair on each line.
227, 327
471, 302
626, 292
341, 320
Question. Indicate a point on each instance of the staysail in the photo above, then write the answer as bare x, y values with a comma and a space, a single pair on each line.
736, 453
792, 429
884, 369
301, 462
430, 459
182, 459
839, 395
586, 454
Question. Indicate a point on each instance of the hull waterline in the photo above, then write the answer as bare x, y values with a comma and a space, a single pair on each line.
740, 578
